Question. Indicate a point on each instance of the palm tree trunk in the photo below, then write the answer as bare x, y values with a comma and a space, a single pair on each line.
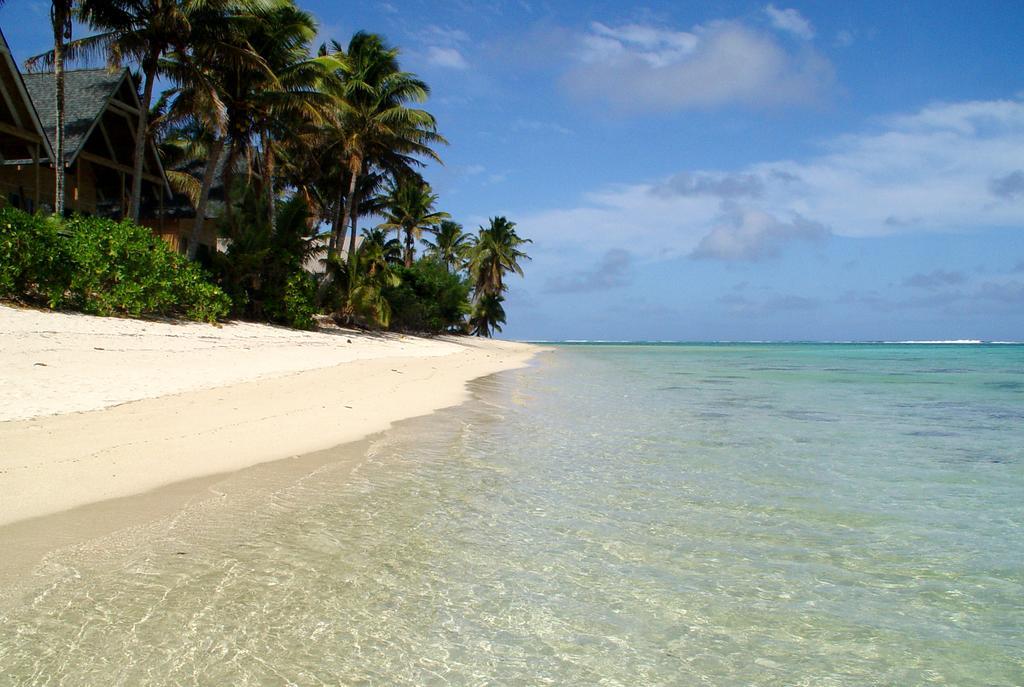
336, 230
408, 247
355, 215
149, 69
351, 209
229, 177
60, 14
204, 196
268, 175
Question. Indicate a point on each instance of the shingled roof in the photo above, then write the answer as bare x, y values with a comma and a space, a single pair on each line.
86, 92
13, 85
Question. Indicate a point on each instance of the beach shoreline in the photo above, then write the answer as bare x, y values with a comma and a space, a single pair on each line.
162, 403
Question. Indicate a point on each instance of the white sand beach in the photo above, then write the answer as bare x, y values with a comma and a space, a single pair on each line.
99, 408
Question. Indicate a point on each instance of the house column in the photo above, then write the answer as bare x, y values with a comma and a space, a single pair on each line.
161, 211
35, 161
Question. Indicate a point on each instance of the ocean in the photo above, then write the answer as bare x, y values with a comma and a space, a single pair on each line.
727, 514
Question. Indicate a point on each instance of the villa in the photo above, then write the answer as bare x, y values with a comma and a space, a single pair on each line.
102, 112
25, 152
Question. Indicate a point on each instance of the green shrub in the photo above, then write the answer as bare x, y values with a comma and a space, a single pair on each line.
299, 301
122, 268
195, 297
428, 299
101, 267
33, 258
118, 268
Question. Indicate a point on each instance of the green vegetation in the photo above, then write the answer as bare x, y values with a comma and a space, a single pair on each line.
428, 298
101, 267
262, 270
291, 145
450, 246
495, 252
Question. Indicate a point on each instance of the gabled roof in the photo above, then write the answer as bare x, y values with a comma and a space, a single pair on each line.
86, 94
23, 108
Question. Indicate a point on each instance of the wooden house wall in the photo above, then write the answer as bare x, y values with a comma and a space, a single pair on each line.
18, 186
176, 232
79, 187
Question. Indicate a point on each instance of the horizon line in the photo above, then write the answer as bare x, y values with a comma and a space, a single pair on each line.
881, 342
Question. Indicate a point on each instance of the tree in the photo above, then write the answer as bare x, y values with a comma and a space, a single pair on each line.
292, 106
60, 17
391, 249
60, 20
218, 46
360, 282
260, 262
450, 246
206, 143
139, 32
429, 299
488, 315
280, 97
495, 253
410, 211
373, 123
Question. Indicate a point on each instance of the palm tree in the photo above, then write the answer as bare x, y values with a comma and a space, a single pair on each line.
450, 246
178, 144
205, 143
494, 253
139, 32
60, 19
488, 315
218, 45
361, 280
391, 249
374, 125
281, 100
410, 210
367, 200
292, 108
196, 134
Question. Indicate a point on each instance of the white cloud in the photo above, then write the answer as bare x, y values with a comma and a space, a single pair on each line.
928, 171
449, 58
790, 21
638, 67
657, 47
754, 235
539, 126
441, 35
444, 46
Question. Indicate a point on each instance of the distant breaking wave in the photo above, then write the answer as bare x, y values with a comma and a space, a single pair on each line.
948, 341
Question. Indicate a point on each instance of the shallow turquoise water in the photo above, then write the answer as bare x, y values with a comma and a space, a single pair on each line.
616, 515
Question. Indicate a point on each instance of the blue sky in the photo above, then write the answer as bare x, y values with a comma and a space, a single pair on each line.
725, 170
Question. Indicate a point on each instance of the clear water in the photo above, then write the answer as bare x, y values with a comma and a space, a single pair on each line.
615, 515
